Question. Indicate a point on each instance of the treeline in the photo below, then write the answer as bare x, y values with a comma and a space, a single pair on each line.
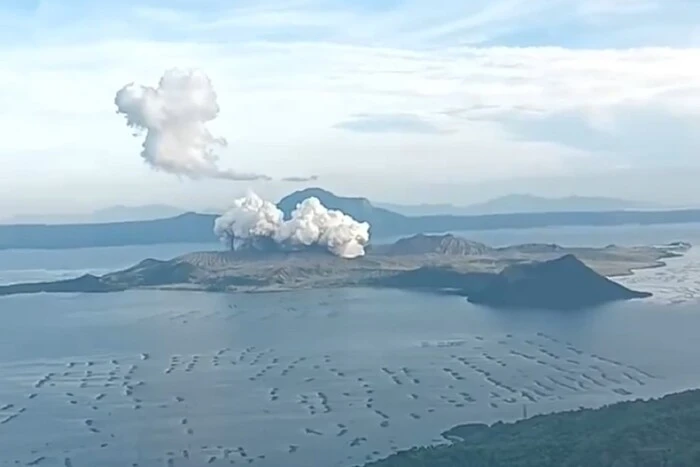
662, 432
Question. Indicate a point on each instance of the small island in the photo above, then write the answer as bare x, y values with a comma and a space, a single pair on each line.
521, 276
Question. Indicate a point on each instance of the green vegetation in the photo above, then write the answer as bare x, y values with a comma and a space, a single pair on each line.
661, 432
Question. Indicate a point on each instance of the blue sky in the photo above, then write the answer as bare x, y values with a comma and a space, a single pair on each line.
399, 100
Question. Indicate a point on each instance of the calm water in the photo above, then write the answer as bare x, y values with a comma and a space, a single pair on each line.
315, 377
577, 236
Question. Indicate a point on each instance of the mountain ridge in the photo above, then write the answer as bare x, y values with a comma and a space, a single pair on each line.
109, 214
522, 203
422, 244
198, 228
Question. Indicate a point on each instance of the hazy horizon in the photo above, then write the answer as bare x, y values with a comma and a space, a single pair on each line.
217, 195
138, 211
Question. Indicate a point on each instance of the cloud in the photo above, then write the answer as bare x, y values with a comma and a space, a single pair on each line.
294, 179
636, 135
389, 123
467, 92
174, 117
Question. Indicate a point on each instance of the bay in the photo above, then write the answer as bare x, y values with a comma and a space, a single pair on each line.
323, 377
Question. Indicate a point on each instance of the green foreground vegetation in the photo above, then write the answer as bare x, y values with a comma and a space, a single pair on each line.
654, 433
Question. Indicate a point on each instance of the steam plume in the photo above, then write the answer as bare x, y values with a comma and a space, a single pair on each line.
174, 116
248, 217
311, 224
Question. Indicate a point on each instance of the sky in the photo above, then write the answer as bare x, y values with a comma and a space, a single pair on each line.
404, 101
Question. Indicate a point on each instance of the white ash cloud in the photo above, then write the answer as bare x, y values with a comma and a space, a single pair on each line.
174, 116
311, 223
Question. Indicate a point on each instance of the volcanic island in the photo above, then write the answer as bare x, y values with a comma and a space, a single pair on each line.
544, 276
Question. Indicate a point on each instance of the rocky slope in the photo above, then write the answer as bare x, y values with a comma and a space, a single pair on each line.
422, 244
564, 283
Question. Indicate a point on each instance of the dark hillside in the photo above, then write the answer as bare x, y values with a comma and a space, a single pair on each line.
560, 284
186, 228
662, 432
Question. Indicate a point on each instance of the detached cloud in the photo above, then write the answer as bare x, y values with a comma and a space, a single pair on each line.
295, 179
389, 123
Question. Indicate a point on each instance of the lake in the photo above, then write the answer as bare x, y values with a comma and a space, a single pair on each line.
325, 377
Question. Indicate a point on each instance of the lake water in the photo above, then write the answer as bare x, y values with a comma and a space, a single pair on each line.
325, 377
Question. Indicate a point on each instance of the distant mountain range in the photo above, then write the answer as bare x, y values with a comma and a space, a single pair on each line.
197, 228
109, 214
515, 203
520, 203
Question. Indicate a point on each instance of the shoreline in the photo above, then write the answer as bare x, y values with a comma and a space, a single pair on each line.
661, 263
462, 274
271, 289
628, 271
632, 271
465, 439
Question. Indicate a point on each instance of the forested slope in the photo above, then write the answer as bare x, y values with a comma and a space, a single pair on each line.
662, 432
